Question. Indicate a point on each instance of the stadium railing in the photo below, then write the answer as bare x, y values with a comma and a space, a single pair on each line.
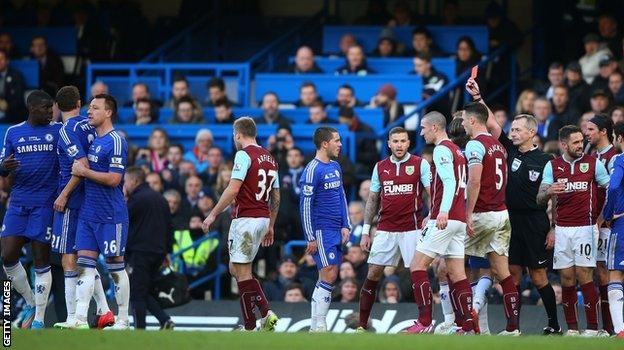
445, 37
215, 275
372, 117
286, 86
159, 78
288, 247
389, 65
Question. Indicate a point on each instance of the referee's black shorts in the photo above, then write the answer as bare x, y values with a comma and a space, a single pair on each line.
528, 237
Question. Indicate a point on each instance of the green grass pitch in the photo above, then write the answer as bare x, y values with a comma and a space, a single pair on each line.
152, 340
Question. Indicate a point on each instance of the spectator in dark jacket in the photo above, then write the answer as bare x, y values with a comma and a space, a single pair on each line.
578, 89
275, 289
432, 80
51, 70
422, 43
270, 111
615, 86
304, 62
355, 62
607, 65
12, 109
367, 153
564, 112
216, 92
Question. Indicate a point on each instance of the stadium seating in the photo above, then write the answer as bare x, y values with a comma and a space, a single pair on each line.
30, 71
387, 65
444, 37
286, 86
373, 117
61, 39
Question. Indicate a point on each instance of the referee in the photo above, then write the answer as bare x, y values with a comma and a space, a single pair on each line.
150, 238
532, 241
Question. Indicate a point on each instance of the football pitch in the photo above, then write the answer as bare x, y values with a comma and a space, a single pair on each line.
153, 340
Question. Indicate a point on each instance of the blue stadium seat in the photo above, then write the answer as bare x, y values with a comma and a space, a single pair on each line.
387, 65
30, 71
121, 87
444, 36
286, 86
61, 39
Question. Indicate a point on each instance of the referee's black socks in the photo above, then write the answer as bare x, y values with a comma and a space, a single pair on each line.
550, 304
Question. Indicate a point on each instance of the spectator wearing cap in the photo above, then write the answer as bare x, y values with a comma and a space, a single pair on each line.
610, 34
304, 62
275, 288
607, 65
307, 95
288, 224
563, 110
12, 86
355, 63
294, 294
215, 159
578, 89
318, 115
367, 153
432, 80
600, 101
422, 42
345, 97
615, 87
223, 112
199, 154
270, 111
386, 45
216, 92
595, 51
386, 100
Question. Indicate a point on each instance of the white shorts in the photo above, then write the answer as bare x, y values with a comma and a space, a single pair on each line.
245, 237
575, 246
447, 243
603, 242
492, 232
388, 247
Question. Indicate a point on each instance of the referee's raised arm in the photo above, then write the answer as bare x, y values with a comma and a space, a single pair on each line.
493, 127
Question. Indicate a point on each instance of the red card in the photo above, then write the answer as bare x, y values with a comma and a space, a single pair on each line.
475, 70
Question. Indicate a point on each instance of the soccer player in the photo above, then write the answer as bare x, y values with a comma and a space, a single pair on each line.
614, 211
532, 235
76, 136
573, 178
254, 188
323, 207
445, 232
29, 155
487, 218
103, 221
397, 187
599, 133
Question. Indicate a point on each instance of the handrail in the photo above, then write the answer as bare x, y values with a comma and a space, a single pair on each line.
159, 52
291, 244
269, 52
197, 243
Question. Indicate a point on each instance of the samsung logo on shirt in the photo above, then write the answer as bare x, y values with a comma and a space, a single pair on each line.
46, 147
330, 185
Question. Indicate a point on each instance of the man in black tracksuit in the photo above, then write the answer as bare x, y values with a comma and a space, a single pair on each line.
150, 239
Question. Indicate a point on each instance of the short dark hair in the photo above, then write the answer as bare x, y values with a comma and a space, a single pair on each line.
295, 285
317, 103
566, 131
177, 145
477, 110
457, 133
618, 129
423, 56
144, 100
307, 84
323, 134
180, 78
136, 172
556, 65
222, 102
295, 148
109, 103
38, 98
67, 98
45, 41
421, 30
397, 130
271, 93
216, 82
245, 126
348, 87
140, 83
187, 99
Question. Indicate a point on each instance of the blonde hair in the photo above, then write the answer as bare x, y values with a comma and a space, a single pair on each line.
523, 96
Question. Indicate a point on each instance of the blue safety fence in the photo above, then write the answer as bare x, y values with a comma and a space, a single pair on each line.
389, 65
60, 39
445, 37
288, 247
372, 117
30, 71
286, 86
159, 78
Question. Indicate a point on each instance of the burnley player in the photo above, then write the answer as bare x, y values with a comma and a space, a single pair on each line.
254, 189
614, 211
76, 136
323, 207
396, 193
103, 222
599, 133
29, 155
489, 230
444, 234
573, 178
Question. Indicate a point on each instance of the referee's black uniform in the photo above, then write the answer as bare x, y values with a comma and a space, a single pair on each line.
150, 238
529, 222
